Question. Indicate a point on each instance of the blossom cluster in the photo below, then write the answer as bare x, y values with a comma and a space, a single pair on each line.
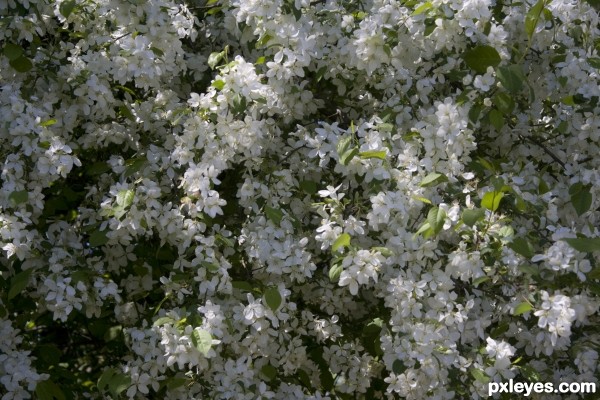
241, 199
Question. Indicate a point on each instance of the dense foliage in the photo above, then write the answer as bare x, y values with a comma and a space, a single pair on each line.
254, 199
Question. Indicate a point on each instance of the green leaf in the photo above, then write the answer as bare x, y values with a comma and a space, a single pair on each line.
341, 242
398, 367
425, 229
98, 238
134, 165
530, 373
586, 245
436, 218
18, 283
335, 271
163, 321
582, 200
49, 122
125, 197
67, 7
511, 78
215, 58
380, 154
433, 179
482, 57
480, 280
471, 216
18, 197
21, 64
118, 383
12, 51
269, 371
260, 60
529, 269
522, 246
594, 62
522, 308
480, 376
532, 17
343, 145
202, 340
157, 52
242, 285
496, 119
504, 102
105, 378
273, 298
422, 8
309, 187
346, 157
48, 390
263, 40
126, 112
274, 214
218, 84
491, 200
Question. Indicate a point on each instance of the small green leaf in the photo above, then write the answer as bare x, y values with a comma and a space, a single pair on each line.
105, 378
586, 245
398, 367
125, 197
480, 376
269, 371
496, 119
18, 283
335, 271
49, 122
263, 40
67, 7
134, 165
273, 298
274, 214
522, 308
422, 8
48, 390
98, 238
163, 321
346, 157
380, 154
532, 17
491, 200
482, 57
343, 144
436, 218
594, 62
242, 285
118, 383
202, 340
433, 179
530, 373
260, 60
529, 269
157, 52
21, 64
582, 200
522, 246
18, 197
504, 102
480, 280
309, 187
341, 242
511, 78
12, 51
126, 112
218, 84
214, 59
471, 216
425, 229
